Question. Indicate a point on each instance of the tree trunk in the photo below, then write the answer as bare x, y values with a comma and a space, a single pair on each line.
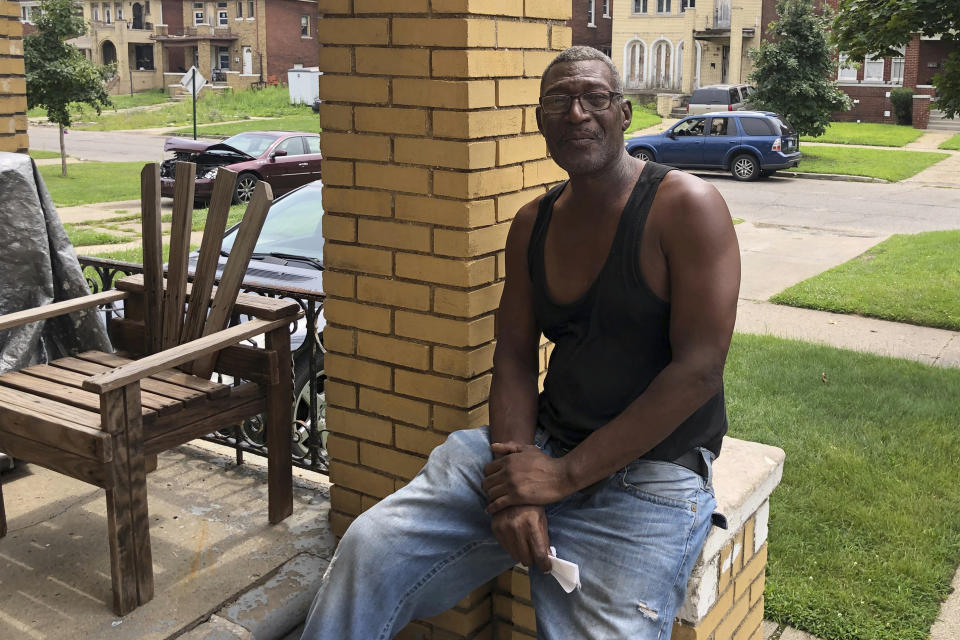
63, 154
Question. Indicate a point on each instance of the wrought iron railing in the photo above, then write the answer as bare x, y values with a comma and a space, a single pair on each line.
309, 401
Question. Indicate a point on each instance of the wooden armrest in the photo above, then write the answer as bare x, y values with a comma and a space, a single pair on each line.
187, 352
59, 308
247, 303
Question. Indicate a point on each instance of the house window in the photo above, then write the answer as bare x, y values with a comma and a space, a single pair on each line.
591, 10
197, 13
106, 15
606, 8
639, 6
223, 58
896, 69
873, 70
240, 9
688, 4
634, 64
147, 7
222, 14
250, 7
304, 26
24, 14
118, 10
96, 14
846, 73
663, 6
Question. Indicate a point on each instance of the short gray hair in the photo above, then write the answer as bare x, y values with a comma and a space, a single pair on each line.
579, 53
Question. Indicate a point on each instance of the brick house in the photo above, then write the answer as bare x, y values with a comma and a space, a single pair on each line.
233, 43
592, 23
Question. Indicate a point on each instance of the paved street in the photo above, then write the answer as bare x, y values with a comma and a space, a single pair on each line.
106, 146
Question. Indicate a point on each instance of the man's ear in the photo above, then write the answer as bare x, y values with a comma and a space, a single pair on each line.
627, 108
539, 115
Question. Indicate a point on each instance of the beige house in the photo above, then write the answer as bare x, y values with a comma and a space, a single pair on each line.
679, 45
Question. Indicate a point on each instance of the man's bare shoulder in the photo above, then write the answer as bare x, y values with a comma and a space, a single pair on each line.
523, 221
684, 199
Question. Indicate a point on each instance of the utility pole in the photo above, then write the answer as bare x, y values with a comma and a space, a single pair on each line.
193, 81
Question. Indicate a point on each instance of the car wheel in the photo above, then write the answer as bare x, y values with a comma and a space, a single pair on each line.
246, 184
302, 400
642, 154
254, 429
745, 167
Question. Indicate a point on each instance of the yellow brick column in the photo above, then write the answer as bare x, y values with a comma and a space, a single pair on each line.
430, 146
13, 86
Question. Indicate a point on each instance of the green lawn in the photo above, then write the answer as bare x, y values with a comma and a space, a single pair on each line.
211, 107
906, 278
644, 115
125, 101
951, 143
869, 133
84, 236
36, 154
93, 182
307, 122
864, 530
875, 163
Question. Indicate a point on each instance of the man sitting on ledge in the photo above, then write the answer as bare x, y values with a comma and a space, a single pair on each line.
633, 271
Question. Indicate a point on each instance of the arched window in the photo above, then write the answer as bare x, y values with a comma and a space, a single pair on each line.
660, 74
633, 64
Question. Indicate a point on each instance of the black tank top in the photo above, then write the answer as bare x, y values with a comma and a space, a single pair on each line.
612, 342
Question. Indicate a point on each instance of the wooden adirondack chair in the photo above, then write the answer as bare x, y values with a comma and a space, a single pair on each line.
102, 418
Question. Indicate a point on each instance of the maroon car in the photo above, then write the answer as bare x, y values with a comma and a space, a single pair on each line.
283, 159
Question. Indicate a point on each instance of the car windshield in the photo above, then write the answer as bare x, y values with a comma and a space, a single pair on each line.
292, 227
710, 96
253, 144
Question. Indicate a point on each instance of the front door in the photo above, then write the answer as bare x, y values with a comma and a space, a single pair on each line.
137, 15
721, 138
247, 61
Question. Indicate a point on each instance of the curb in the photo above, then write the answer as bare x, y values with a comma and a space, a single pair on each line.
269, 610
832, 176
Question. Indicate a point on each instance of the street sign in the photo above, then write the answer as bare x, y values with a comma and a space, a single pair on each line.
187, 81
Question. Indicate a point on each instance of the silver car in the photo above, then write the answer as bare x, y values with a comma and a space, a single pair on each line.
720, 97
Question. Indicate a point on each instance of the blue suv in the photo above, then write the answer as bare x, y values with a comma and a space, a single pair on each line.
749, 144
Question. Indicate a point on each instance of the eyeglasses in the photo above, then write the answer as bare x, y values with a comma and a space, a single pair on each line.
590, 101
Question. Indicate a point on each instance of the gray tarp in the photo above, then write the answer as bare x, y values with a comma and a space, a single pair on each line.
38, 266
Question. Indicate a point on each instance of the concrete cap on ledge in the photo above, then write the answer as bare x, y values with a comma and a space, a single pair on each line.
744, 476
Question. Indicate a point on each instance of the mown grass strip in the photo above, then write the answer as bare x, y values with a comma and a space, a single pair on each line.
951, 143
85, 236
868, 133
906, 278
38, 154
864, 533
886, 164
644, 115
90, 182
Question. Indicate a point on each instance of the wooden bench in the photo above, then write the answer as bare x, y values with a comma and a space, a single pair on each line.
102, 417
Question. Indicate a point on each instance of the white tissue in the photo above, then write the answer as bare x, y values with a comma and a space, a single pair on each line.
567, 573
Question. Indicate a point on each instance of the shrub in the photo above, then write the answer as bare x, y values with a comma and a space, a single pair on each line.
902, 100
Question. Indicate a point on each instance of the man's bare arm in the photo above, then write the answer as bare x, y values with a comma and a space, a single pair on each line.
703, 261
520, 529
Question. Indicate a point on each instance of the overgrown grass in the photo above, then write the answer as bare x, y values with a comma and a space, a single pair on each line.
306, 122
211, 107
868, 133
906, 278
37, 154
93, 182
644, 115
875, 163
951, 143
864, 533
126, 101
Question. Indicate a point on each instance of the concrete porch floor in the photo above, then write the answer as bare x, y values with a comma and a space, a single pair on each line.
214, 553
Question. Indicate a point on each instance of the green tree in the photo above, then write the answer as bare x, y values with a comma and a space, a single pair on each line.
58, 74
878, 28
792, 70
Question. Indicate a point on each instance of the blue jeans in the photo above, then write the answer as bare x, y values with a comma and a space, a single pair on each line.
418, 552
